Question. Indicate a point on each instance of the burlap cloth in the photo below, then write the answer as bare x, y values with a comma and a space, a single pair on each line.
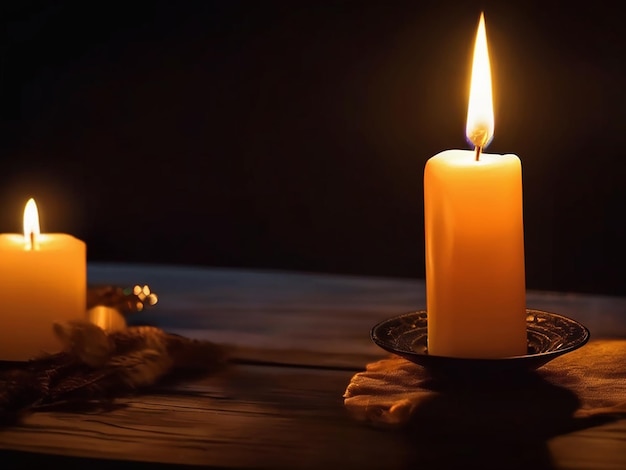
574, 391
98, 366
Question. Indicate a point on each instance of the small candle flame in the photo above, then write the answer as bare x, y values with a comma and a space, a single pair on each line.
31, 225
480, 120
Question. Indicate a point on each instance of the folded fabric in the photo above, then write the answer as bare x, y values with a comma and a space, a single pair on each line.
572, 391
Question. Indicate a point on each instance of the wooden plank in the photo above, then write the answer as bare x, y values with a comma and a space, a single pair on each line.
285, 418
321, 314
597, 448
248, 417
259, 415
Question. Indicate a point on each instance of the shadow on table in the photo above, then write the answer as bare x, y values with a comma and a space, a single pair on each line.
493, 425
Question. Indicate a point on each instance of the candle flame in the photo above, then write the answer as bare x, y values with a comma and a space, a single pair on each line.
480, 120
31, 225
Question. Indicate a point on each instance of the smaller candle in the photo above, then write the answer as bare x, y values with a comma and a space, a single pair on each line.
43, 279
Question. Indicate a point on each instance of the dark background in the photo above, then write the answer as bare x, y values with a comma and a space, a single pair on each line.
293, 134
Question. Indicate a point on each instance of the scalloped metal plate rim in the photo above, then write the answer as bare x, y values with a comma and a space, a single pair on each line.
550, 335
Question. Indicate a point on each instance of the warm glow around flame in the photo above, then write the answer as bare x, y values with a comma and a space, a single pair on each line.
480, 121
31, 225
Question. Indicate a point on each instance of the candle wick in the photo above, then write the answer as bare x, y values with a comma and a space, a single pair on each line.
32, 241
478, 150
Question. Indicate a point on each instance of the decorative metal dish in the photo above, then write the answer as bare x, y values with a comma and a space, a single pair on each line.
549, 335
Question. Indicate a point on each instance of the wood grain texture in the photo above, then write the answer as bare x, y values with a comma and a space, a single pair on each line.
280, 417
247, 417
318, 313
297, 339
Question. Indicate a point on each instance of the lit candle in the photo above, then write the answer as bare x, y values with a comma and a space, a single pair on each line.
475, 278
43, 279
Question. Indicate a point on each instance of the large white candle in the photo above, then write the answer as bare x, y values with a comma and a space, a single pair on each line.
43, 279
475, 277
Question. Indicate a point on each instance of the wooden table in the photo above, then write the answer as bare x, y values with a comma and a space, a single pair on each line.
298, 339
